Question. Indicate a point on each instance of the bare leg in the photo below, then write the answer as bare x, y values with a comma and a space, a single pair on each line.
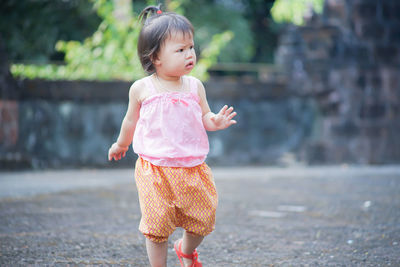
189, 244
157, 253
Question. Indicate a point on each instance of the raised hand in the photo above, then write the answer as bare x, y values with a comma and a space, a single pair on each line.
223, 119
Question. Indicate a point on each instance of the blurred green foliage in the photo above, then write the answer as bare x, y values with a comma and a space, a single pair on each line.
240, 31
209, 55
212, 19
293, 11
255, 32
31, 28
110, 53
263, 28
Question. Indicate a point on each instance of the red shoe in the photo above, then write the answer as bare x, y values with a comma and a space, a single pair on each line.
194, 257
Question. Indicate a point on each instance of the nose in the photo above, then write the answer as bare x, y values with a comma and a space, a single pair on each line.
190, 53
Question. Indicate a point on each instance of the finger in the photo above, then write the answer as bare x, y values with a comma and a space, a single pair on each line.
228, 111
230, 123
232, 115
222, 111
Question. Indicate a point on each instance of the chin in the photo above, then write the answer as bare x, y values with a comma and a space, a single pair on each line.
187, 71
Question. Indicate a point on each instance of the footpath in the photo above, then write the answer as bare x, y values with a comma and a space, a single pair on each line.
298, 216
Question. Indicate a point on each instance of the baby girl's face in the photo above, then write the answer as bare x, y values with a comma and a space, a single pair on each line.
177, 56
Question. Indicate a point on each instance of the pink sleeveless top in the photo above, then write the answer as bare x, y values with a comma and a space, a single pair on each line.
170, 130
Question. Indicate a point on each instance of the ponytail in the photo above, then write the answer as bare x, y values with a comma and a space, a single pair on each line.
148, 12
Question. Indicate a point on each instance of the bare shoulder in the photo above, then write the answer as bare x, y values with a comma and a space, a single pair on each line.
201, 92
200, 86
137, 90
197, 80
137, 86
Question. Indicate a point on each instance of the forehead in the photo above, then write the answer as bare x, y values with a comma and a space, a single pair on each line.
179, 37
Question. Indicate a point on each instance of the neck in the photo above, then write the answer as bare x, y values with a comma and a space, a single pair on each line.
167, 78
169, 84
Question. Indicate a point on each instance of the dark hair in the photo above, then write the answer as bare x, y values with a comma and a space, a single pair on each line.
157, 27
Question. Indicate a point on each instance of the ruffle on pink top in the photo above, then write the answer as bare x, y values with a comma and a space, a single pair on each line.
170, 130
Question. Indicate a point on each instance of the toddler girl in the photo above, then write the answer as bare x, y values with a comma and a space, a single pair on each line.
166, 121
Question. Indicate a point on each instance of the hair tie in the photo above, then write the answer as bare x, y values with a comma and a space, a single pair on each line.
159, 11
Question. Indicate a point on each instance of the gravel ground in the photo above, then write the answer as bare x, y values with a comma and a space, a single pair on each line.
324, 216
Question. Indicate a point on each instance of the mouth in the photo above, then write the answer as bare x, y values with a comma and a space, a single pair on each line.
190, 65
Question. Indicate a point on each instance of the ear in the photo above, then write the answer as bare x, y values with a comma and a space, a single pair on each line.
155, 60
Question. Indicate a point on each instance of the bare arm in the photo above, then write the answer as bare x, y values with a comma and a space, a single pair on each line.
212, 121
119, 148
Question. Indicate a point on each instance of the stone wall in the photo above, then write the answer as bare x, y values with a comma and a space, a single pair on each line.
348, 60
9, 94
72, 124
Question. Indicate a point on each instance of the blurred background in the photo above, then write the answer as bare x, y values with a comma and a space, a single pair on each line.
313, 81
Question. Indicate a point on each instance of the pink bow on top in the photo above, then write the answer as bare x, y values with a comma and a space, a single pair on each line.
178, 100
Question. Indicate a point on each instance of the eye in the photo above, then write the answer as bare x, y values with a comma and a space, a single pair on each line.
192, 47
180, 50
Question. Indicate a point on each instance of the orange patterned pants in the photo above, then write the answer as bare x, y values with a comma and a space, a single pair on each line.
173, 197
